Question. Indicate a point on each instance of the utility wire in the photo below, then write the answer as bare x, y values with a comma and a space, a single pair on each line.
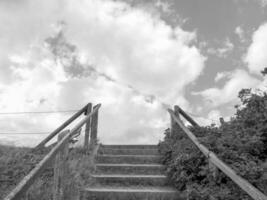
24, 133
38, 112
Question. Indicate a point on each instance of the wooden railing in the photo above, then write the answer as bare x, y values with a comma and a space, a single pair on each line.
60, 152
212, 158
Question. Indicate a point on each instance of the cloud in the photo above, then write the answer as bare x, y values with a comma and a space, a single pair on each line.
237, 80
263, 3
222, 75
163, 6
129, 53
222, 51
139, 62
239, 31
256, 55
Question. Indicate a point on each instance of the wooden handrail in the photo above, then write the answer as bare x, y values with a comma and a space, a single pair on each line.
242, 183
187, 117
61, 127
28, 180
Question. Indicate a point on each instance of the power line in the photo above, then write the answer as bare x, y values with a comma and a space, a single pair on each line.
38, 112
23, 133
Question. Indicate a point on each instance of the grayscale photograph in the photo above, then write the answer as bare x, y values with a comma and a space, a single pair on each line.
133, 99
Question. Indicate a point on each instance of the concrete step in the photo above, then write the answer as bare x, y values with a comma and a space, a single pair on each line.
131, 146
130, 193
130, 168
128, 159
128, 151
130, 180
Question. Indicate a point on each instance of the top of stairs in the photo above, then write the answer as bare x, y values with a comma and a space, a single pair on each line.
130, 146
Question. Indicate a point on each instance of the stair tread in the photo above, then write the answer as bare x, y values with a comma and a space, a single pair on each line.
127, 176
131, 146
146, 156
131, 189
129, 165
126, 148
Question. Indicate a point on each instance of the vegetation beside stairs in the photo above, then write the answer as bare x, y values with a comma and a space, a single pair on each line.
16, 162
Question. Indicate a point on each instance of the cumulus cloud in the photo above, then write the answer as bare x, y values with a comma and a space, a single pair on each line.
130, 45
237, 80
256, 55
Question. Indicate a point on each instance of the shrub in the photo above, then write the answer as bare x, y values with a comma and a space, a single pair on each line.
240, 143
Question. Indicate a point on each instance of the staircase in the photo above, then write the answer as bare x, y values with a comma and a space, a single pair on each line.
129, 172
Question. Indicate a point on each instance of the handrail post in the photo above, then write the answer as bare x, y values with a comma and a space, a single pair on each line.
87, 127
94, 125
174, 125
60, 170
188, 118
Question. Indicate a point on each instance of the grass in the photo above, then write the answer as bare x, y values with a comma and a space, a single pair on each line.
16, 162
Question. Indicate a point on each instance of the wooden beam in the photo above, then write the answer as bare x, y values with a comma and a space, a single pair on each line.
60, 170
187, 117
60, 128
174, 125
94, 125
87, 127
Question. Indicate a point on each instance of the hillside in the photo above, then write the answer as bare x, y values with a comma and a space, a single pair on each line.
16, 162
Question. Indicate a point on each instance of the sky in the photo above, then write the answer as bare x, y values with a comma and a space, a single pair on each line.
135, 57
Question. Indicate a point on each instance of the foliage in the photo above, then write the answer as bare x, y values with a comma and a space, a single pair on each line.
241, 143
17, 162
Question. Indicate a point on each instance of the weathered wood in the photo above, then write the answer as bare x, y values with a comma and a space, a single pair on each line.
174, 125
187, 117
28, 180
222, 121
172, 128
60, 170
242, 183
93, 154
213, 170
94, 125
87, 127
60, 128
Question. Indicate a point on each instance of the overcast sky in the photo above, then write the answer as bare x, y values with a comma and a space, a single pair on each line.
135, 57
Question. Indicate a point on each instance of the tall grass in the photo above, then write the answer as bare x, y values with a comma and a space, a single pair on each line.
16, 162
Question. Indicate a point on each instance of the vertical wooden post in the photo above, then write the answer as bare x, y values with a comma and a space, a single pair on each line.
60, 170
213, 170
222, 121
27, 195
177, 111
174, 125
94, 124
87, 127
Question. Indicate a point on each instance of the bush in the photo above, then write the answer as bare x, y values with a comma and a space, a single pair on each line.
240, 143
